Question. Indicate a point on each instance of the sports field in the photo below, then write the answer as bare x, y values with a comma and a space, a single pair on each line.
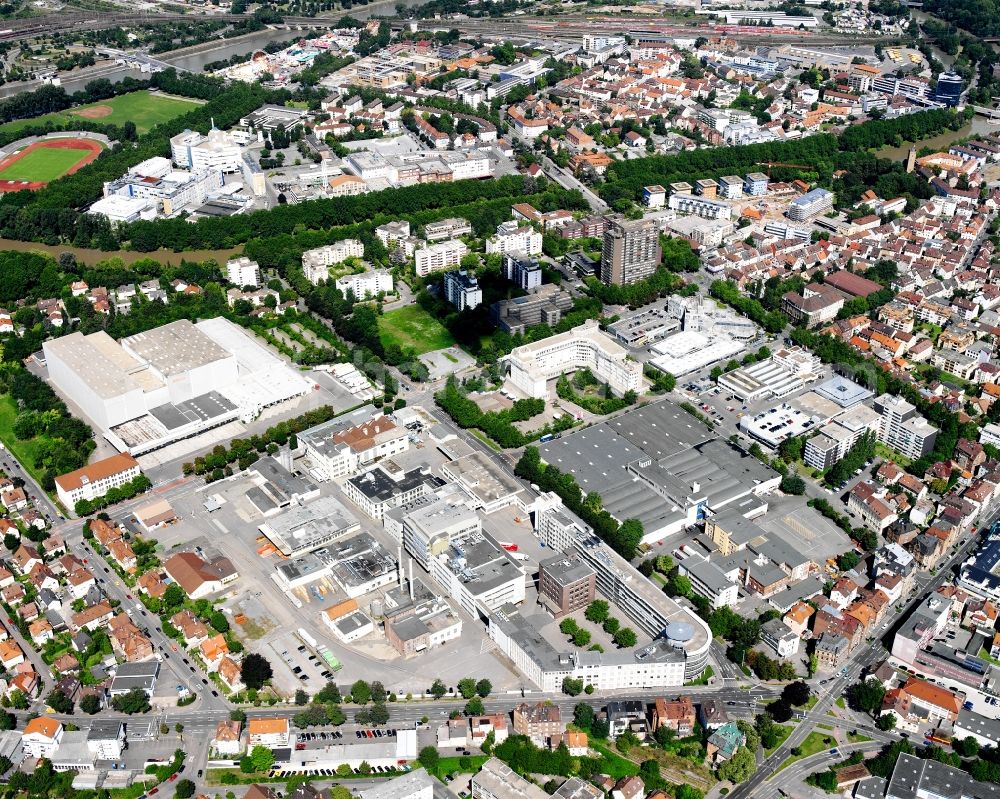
45, 160
42, 165
412, 328
146, 110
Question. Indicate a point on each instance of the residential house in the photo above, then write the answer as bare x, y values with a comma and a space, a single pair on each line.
723, 743
41, 737
213, 650
539, 721
228, 738
677, 714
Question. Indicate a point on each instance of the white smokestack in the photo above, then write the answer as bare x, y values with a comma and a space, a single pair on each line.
411, 579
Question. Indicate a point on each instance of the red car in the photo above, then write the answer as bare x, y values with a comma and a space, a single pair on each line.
173, 777
154, 790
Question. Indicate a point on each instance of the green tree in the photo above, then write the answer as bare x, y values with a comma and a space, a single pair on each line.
135, 701
572, 686
793, 484
301, 697
739, 767
467, 687
59, 702
174, 596
261, 758
438, 689
184, 789
429, 758
886, 722
361, 692
474, 707
968, 747
625, 638
597, 611
90, 704
796, 693
255, 671
484, 688
867, 695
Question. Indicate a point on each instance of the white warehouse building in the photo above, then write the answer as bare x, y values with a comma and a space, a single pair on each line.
171, 382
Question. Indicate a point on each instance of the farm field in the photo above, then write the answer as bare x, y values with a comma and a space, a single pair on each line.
147, 110
412, 328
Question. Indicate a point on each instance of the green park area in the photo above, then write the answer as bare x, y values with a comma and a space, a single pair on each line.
145, 109
24, 451
413, 329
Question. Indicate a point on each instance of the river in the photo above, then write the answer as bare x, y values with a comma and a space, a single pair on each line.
979, 126
921, 17
90, 257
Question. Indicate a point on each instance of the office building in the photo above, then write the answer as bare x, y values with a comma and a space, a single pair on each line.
585, 346
731, 187
342, 446
565, 584
366, 284
96, 479
755, 184
243, 272
523, 271
705, 207
316, 263
709, 581
902, 428
450, 228
218, 150
438, 257
837, 438
631, 251
510, 238
643, 603
654, 196
809, 205
545, 305
479, 574
462, 289
949, 88
497, 780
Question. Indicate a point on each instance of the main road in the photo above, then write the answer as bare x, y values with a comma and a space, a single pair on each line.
862, 658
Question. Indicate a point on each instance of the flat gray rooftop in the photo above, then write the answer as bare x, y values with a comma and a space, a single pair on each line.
197, 409
175, 348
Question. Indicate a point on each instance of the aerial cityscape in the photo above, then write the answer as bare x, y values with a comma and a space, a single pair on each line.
502, 399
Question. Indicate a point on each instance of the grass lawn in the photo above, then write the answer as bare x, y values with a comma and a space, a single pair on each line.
813, 699
144, 109
841, 703
450, 765
783, 733
814, 742
24, 451
614, 764
412, 328
857, 738
44, 164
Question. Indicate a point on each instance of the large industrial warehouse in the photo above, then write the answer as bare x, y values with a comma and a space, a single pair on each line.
169, 383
